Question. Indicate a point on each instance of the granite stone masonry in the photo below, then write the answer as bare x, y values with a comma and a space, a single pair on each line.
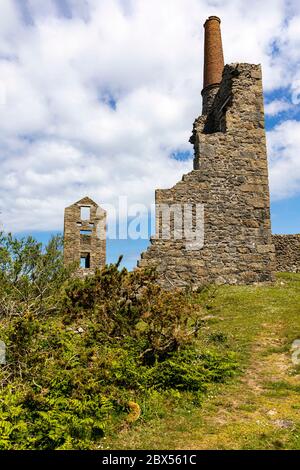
230, 181
85, 236
287, 248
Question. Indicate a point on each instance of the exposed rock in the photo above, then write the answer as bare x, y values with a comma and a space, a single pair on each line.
2, 353
284, 423
296, 344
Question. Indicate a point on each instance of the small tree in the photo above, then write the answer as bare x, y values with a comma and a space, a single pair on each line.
30, 275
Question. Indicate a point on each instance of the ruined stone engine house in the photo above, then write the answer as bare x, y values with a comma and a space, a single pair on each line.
230, 182
85, 236
228, 189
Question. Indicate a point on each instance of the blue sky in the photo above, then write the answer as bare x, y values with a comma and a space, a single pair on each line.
285, 212
98, 97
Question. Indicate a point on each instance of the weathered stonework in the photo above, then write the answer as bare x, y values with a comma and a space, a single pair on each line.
287, 248
230, 179
85, 236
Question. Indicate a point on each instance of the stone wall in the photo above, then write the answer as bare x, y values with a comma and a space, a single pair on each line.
85, 238
230, 181
287, 248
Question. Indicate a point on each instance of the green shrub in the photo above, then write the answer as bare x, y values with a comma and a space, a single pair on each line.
189, 370
79, 354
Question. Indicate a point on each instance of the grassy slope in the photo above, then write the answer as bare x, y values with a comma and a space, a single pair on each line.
260, 409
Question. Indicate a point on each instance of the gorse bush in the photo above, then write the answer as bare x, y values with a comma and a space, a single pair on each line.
129, 307
84, 354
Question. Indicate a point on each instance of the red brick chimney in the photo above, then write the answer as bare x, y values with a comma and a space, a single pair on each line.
213, 61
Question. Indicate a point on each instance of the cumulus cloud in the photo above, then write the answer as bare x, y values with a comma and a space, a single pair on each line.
276, 107
284, 151
97, 96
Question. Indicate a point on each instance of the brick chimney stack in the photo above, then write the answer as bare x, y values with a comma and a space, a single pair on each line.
213, 61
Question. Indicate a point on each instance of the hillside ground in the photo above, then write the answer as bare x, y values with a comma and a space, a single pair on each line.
259, 408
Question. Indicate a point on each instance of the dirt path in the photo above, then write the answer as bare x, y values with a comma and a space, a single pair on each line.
263, 409
260, 409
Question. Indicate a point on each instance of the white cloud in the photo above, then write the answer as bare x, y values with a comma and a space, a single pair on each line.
60, 139
276, 107
284, 151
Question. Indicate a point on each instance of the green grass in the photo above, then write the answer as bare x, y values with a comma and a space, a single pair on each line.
259, 409
115, 347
